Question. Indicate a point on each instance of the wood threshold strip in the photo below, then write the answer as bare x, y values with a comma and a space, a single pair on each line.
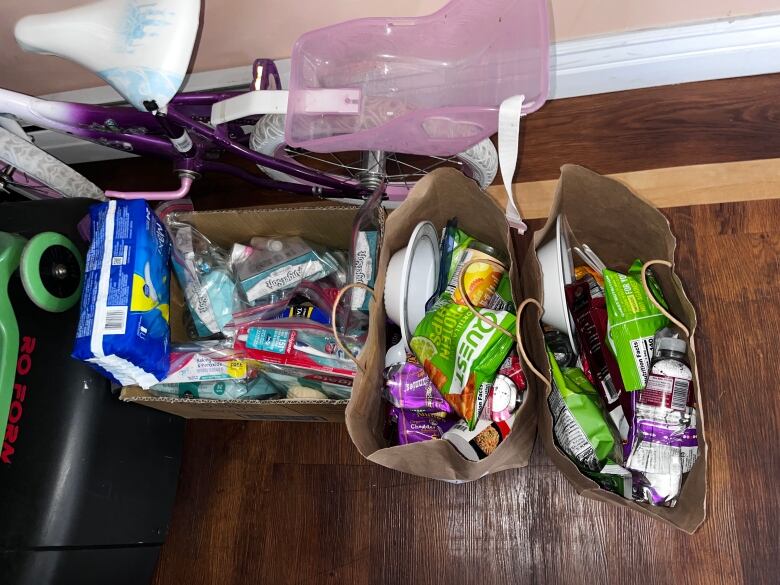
669, 187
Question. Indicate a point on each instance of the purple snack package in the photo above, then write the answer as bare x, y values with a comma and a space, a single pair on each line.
414, 427
408, 386
663, 452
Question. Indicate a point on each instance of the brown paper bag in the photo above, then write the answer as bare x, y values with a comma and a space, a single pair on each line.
620, 227
437, 197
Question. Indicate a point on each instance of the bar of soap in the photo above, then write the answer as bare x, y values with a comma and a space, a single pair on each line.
304, 393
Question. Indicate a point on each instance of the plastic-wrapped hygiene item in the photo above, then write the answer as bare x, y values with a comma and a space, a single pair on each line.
364, 251
123, 327
204, 276
272, 265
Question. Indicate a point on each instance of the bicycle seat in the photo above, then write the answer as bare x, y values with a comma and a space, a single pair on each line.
140, 47
430, 85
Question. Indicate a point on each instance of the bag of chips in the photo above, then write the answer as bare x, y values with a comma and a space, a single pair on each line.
462, 354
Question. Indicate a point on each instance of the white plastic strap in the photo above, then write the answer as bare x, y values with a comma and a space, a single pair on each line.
251, 103
509, 115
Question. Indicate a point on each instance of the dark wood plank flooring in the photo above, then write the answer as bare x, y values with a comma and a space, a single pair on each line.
292, 503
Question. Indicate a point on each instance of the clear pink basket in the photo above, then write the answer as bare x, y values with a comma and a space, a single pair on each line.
429, 85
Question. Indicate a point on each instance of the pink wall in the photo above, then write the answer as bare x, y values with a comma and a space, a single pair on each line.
237, 31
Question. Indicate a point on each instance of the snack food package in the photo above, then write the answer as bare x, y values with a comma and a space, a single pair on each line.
662, 453
273, 265
581, 428
481, 441
461, 354
123, 326
588, 308
632, 322
481, 279
414, 426
408, 386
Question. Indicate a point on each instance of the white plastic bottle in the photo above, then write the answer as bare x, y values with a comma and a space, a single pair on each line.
665, 442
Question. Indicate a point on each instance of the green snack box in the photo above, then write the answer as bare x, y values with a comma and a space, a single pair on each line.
580, 425
632, 321
461, 354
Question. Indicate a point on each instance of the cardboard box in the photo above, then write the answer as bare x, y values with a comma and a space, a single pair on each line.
323, 223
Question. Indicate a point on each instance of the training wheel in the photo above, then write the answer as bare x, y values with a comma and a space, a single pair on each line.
52, 271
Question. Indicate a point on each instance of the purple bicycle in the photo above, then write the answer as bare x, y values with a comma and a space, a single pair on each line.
369, 101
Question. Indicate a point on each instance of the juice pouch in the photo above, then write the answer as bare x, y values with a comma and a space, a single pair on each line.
632, 322
461, 354
580, 425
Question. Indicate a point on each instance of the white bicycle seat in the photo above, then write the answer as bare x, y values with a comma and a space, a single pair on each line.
140, 47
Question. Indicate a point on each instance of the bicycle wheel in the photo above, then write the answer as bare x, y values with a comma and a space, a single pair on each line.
480, 162
52, 271
35, 174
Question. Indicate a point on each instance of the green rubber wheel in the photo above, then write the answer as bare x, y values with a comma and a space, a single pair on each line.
52, 271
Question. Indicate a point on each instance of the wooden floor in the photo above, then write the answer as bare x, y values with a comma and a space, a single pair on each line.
288, 503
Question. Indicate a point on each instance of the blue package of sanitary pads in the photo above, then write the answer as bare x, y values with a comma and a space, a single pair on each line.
123, 328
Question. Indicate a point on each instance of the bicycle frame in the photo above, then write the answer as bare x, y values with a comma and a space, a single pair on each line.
144, 134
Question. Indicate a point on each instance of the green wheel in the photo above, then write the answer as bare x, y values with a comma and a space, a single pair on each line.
52, 271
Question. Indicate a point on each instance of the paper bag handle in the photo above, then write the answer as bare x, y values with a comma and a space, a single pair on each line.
520, 346
509, 116
334, 313
467, 300
523, 305
652, 298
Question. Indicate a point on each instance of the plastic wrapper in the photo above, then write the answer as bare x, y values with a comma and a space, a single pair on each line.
581, 428
123, 325
414, 427
304, 384
588, 308
205, 278
282, 305
662, 453
300, 352
364, 250
408, 386
212, 370
461, 354
507, 391
633, 321
480, 442
273, 265
558, 343
481, 279
664, 443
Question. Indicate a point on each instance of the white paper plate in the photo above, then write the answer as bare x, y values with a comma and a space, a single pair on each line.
565, 272
411, 279
557, 271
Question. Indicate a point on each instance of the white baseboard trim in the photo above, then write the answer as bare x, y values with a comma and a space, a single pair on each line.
719, 49
697, 52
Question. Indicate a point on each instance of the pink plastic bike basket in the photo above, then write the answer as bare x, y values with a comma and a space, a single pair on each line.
430, 85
